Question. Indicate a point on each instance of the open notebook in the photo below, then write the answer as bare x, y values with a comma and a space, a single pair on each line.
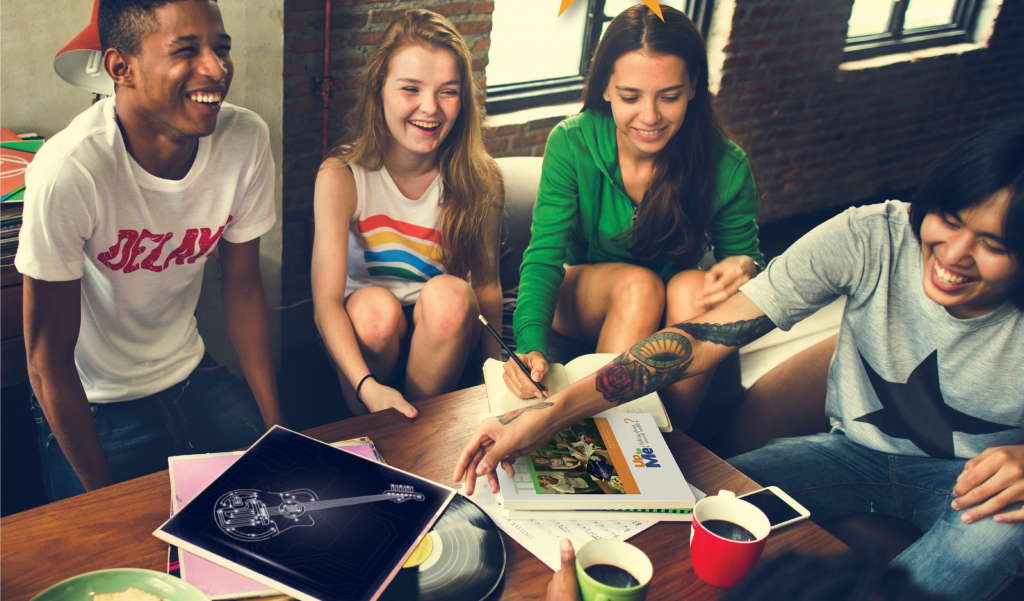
559, 376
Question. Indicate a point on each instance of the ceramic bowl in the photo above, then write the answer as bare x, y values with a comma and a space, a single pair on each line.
84, 586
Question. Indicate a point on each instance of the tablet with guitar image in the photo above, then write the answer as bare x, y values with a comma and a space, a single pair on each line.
308, 519
254, 515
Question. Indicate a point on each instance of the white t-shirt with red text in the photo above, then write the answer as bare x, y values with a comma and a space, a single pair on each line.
139, 243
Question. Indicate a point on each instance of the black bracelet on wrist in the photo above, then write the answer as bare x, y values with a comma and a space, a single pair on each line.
360, 385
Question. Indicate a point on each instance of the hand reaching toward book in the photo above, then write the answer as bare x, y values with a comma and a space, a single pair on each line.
504, 439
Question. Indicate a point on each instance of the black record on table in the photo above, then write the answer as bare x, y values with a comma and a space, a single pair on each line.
466, 561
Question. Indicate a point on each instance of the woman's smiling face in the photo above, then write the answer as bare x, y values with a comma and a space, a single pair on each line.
421, 98
967, 267
648, 95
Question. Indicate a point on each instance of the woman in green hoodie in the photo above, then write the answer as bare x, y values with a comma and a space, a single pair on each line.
634, 191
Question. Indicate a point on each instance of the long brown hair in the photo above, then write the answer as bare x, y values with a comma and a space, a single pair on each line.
471, 180
675, 213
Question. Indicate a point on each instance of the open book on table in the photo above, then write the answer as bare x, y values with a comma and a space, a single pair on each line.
559, 376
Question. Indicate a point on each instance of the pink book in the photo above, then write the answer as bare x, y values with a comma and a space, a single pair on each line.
190, 474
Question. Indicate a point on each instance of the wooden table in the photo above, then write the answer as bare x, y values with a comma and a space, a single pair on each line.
111, 527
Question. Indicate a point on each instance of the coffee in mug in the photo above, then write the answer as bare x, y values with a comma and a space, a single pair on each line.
726, 538
612, 570
611, 575
729, 530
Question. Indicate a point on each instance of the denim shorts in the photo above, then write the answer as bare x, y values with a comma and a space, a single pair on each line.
210, 411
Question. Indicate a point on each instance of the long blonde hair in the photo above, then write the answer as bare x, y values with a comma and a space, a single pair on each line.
471, 180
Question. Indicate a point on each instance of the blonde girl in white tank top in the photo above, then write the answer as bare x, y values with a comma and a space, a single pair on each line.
407, 213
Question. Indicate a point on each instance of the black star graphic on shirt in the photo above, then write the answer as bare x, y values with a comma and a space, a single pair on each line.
917, 412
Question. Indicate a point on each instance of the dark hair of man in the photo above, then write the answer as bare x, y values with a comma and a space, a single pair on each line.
124, 24
675, 213
969, 174
849, 576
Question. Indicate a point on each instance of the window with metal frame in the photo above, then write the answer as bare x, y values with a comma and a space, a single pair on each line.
535, 61
880, 27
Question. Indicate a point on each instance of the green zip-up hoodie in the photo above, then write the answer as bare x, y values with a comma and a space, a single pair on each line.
582, 207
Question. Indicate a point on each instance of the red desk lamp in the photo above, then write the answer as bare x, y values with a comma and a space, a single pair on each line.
80, 62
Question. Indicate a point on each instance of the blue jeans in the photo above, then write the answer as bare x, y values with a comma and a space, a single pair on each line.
210, 411
832, 476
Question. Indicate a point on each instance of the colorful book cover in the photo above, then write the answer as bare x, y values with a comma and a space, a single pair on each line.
7, 135
610, 461
309, 520
189, 475
12, 170
23, 145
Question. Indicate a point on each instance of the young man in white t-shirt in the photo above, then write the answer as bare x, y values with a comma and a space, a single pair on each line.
123, 210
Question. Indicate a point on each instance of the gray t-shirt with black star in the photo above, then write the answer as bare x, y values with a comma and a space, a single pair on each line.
907, 378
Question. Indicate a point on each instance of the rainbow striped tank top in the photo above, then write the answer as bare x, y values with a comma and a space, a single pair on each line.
393, 242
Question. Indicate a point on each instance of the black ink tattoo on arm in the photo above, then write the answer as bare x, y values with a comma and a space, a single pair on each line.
509, 417
651, 364
664, 358
729, 334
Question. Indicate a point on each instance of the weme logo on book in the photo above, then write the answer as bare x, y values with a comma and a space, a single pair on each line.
644, 457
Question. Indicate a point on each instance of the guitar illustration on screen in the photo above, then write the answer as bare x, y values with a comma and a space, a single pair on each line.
255, 515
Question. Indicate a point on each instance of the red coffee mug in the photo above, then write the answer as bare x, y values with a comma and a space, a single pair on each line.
720, 561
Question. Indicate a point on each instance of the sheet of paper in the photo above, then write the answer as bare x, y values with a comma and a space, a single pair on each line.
542, 537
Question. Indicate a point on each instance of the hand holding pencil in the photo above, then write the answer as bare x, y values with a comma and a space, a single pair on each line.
523, 373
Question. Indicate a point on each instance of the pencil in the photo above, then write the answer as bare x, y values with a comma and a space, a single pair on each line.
543, 391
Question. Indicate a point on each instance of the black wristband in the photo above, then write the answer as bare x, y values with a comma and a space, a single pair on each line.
360, 385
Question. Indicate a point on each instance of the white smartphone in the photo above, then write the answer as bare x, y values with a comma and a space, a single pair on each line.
780, 508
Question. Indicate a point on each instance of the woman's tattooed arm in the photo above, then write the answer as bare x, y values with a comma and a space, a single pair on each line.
665, 357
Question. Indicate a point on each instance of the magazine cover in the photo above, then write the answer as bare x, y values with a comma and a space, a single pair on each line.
308, 519
610, 461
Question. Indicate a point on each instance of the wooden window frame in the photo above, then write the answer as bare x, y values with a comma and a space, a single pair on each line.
517, 96
896, 39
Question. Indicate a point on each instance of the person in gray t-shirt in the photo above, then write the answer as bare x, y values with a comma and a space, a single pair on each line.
925, 390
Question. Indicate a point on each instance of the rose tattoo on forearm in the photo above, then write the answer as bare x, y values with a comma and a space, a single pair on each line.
664, 358
652, 363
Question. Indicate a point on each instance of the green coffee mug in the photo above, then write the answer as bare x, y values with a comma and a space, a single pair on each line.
614, 553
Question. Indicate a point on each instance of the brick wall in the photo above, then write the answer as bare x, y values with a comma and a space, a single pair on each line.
819, 135
355, 26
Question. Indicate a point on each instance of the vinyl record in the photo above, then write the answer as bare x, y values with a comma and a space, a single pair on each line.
462, 558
